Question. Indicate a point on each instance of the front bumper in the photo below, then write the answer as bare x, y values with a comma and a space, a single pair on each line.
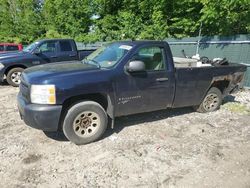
43, 117
1, 75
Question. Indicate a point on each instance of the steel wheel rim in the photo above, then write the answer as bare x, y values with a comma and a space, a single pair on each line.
86, 124
15, 77
211, 102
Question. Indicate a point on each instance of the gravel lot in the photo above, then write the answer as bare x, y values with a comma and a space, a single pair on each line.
170, 148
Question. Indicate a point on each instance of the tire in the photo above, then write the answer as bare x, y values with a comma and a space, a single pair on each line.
211, 101
13, 76
85, 122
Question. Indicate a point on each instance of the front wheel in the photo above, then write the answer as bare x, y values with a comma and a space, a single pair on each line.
85, 122
13, 77
211, 102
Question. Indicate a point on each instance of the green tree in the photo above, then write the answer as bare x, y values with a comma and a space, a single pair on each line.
105, 7
66, 18
228, 17
131, 19
129, 25
107, 20
20, 20
158, 29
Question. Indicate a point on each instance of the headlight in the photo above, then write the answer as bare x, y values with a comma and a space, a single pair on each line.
43, 94
1, 66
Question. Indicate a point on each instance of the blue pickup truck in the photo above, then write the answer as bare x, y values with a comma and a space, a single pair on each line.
41, 52
119, 79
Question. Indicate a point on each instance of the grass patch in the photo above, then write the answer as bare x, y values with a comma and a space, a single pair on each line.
236, 108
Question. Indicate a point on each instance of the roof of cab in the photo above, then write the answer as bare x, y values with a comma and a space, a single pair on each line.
139, 42
54, 39
10, 44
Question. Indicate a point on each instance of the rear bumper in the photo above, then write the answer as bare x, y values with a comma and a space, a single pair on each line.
235, 89
238, 85
43, 117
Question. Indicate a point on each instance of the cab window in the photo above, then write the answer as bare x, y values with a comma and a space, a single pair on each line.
153, 57
48, 47
1, 47
11, 48
66, 46
109, 55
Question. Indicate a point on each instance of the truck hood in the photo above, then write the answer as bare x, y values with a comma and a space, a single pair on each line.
42, 73
9, 55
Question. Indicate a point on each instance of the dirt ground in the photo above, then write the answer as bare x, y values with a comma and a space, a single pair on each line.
170, 148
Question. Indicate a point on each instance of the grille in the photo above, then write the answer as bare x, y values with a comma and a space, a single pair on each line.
24, 91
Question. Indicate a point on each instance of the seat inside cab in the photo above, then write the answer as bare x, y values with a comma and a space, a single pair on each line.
152, 61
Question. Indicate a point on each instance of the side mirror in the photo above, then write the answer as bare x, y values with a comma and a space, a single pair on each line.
135, 66
37, 51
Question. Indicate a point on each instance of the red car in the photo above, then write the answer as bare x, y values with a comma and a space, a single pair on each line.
6, 47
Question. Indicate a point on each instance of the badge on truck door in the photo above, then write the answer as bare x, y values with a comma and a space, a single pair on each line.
35, 62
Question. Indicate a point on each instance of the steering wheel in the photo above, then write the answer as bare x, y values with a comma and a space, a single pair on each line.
204, 60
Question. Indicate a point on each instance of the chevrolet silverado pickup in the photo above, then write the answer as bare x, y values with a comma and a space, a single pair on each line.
119, 79
41, 52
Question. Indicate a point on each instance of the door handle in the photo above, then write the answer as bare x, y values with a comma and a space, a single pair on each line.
53, 56
161, 79
72, 55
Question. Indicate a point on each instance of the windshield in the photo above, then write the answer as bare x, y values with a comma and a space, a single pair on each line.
30, 47
108, 55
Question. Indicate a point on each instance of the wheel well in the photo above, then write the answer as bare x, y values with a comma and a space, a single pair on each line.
221, 85
97, 97
14, 66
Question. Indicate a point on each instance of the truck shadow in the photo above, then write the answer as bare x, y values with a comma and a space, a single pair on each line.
229, 98
148, 117
132, 120
58, 136
4, 83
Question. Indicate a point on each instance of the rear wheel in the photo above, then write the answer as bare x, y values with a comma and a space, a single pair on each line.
85, 122
14, 76
211, 102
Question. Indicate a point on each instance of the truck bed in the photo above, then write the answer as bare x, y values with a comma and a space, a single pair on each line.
193, 82
180, 62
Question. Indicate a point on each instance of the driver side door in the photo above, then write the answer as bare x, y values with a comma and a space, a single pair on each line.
147, 90
48, 53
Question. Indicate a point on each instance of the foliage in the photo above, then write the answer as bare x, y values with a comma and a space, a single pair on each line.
227, 17
20, 20
236, 107
158, 28
66, 17
106, 20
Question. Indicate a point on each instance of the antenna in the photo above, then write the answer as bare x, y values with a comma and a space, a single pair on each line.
198, 43
197, 56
